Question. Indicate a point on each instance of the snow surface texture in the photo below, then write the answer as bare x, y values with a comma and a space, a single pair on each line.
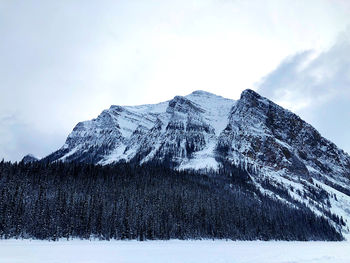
174, 251
186, 129
204, 131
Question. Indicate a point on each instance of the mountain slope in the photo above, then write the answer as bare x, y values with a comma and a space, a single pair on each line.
286, 157
178, 131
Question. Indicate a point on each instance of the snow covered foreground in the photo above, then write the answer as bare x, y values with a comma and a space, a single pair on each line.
82, 251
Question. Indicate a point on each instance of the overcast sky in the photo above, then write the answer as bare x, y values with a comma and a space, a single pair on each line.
62, 62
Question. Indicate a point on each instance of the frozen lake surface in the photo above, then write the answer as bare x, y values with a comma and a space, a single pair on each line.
84, 251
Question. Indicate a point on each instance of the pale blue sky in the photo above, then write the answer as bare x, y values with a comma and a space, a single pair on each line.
65, 61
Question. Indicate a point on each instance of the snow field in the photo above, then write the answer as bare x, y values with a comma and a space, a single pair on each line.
173, 251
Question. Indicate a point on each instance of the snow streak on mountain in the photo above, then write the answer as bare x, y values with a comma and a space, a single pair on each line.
286, 157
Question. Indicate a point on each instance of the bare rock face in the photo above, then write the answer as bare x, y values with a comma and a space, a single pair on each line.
286, 157
181, 132
265, 135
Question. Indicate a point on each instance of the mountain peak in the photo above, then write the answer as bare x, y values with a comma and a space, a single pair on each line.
252, 99
202, 92
207, 99
251, 94
29, 158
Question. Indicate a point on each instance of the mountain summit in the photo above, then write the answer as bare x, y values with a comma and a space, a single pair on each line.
286, 157
183, 132
202, 130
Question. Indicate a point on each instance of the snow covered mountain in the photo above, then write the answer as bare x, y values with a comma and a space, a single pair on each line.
183, 132
286, 157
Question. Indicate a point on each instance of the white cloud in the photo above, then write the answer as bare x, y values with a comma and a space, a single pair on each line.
318, 88
66, 61
19, 138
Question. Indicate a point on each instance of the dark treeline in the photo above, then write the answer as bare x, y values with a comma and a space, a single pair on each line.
67, 200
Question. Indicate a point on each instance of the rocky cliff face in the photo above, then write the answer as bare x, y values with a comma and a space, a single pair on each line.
182, 132
287, 157
267, 137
